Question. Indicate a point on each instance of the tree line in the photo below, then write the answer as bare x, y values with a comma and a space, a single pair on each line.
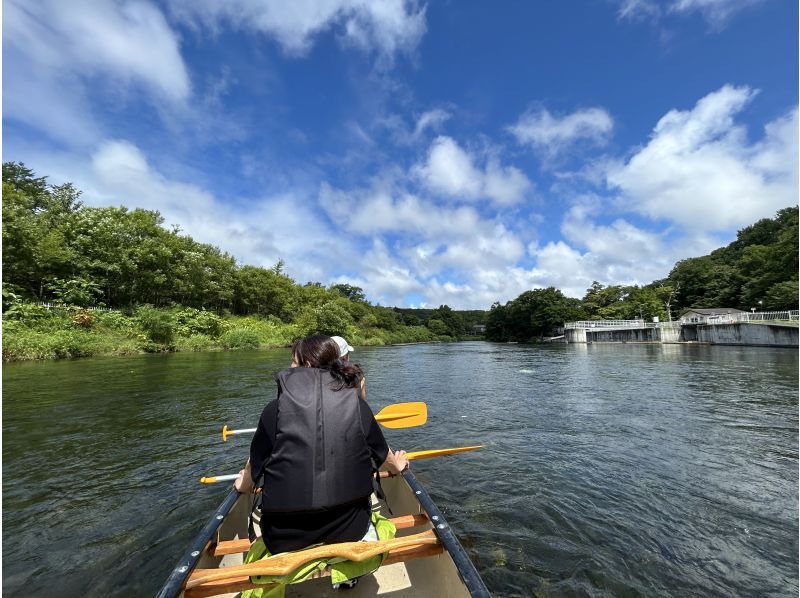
57, 249
758, 270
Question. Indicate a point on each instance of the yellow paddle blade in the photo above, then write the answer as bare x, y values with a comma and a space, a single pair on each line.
403, 415
225, 433
441, 452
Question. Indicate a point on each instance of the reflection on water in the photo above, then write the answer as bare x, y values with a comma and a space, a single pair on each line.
609, 470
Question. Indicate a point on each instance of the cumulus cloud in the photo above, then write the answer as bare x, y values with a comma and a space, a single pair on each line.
614, 253
386, 26
700, 171
451, 171
553, 134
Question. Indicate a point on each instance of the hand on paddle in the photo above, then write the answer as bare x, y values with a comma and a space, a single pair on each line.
244, 481
396, 461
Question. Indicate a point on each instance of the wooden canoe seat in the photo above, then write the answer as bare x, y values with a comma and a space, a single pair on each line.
241, 583
285, 563
243, 544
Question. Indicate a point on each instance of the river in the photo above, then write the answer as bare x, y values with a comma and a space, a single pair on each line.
635, 470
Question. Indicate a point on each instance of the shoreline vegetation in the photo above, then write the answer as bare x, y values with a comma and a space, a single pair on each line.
68, 331
82, 281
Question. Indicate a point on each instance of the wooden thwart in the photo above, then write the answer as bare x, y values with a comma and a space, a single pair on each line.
243, 545
242, 582
282, 564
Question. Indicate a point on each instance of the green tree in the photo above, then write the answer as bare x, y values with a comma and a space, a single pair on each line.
332, 319
350, 292
437, 327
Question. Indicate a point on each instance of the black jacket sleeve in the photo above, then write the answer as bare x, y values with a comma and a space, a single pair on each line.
264, 439
372, 431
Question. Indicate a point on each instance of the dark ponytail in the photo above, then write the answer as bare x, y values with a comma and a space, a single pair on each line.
321, 351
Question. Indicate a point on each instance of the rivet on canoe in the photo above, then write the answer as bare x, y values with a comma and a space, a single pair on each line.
418, 492
220, 517
441, 526
435, 518
183, 569
195, 553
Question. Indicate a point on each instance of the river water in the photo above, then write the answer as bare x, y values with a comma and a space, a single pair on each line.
624, 470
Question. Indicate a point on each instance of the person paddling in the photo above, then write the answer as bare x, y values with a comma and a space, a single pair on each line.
316, 452
344, 353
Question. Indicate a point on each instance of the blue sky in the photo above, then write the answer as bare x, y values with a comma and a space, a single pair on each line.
442, 152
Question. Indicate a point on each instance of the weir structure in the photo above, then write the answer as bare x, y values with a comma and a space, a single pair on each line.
764, 329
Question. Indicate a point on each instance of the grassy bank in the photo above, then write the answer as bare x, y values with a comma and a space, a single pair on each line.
35, 332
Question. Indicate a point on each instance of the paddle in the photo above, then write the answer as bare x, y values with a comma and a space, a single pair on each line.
400, 415
411, 457
281, 564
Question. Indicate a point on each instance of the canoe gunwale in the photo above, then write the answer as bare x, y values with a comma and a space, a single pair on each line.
174, 584
464, 565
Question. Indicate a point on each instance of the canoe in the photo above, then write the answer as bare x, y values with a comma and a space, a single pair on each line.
438, 568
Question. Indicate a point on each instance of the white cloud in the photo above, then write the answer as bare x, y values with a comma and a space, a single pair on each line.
716, 12
619, 252
128, 41
700, 171
432, 119
431, 245
387, 26
61, 56
638, 9
553, 134
385, 279
451, 171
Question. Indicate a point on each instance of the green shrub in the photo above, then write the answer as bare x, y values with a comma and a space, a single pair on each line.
25, 312
192, 321
33, 344
240, 338
157, 325
115, 320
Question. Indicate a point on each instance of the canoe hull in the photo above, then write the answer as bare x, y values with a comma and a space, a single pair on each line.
446, 575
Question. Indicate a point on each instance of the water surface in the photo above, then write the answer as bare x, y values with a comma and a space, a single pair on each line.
610, 469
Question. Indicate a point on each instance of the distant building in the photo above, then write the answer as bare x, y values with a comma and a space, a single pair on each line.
714, 315
477, 330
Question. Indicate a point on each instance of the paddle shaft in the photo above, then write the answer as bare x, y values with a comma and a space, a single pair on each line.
411, 457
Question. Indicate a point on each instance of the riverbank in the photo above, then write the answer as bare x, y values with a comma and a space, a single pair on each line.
39, 333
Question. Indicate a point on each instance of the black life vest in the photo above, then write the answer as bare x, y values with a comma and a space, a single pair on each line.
320, 458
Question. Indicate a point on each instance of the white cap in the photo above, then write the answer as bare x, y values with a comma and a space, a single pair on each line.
344, 348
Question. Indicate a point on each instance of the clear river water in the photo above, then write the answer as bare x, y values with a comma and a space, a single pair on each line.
609, 470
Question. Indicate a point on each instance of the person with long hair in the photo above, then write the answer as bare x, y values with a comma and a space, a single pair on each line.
316, 452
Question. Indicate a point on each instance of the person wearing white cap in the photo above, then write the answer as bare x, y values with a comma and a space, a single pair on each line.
344, 354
